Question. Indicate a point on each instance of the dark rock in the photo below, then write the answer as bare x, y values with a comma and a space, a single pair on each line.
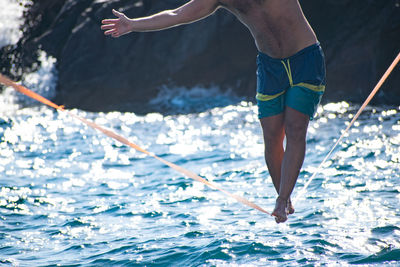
361, 39
23, 57
97, 73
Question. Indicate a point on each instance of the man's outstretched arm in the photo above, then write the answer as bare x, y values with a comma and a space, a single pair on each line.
190, 12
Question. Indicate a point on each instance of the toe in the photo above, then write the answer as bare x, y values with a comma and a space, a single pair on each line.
279, 218
290, 208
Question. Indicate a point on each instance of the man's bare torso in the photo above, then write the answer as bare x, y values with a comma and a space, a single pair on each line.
278, 26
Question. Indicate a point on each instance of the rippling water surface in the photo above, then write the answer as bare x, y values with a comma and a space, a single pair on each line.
72, 197
69, 195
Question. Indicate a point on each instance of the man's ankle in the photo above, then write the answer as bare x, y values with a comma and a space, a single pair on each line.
282, 199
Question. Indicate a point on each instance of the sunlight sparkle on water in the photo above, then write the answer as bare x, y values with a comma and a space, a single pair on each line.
80, 188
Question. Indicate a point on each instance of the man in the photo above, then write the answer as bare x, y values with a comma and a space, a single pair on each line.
290, 75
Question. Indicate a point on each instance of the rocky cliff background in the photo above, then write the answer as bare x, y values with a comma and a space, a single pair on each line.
360, 38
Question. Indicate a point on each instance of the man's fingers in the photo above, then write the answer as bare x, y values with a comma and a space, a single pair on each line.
109, 32
117, 14
110, 24
109, 21
107, 26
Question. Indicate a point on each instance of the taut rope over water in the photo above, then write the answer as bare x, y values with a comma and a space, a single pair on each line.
184, 171
366, 102
125, 141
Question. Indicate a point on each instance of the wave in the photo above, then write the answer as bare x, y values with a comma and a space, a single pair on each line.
11, 14
386, 255
43, 81
191, 100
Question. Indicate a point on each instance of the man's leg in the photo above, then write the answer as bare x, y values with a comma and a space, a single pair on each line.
274, 133
295, 124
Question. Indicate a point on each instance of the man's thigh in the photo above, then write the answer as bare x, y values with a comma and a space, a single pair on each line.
295, 124
273, 128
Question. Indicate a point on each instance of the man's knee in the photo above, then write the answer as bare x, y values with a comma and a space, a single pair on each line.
273, 137
296, 131
273, 130
296, 124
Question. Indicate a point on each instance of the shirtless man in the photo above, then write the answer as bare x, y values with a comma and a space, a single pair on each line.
290, 75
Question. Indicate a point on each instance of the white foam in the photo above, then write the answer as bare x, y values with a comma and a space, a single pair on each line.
11, 13
43, 81
194, 99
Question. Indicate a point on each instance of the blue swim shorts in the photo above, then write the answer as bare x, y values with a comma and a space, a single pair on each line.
297, 82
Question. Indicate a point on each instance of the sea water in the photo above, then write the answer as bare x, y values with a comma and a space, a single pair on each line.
70, 196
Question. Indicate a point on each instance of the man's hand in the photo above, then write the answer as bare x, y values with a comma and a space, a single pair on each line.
192, 11
117, 27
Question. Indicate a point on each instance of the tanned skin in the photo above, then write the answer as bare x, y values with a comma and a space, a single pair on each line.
279, 29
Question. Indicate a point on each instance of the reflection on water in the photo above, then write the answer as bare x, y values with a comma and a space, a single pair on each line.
69, 195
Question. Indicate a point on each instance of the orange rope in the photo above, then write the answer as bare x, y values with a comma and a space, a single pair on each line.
123, 140
366, 102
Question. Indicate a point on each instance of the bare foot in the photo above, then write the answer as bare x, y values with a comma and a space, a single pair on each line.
290, 208
280, 211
